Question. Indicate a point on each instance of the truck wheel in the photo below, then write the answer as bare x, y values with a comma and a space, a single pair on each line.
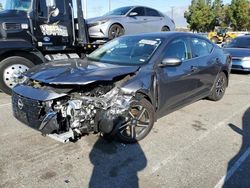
219, 88
10, 69
139, 122
115, 31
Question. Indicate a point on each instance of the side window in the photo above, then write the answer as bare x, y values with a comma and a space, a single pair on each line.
43, 10
201, 47
178, 49
140, 11
152, 12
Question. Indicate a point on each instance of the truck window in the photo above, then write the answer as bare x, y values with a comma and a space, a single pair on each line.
43, 10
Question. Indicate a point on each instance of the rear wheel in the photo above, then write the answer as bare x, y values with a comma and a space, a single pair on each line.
11, 69
165, 29
219, 88
139, 122
115, 31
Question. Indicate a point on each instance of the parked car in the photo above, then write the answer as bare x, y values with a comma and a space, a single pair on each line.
123, 87
129, 20
239, 48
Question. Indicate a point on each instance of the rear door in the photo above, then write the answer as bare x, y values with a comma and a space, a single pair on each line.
178, 85
136, 24
154, 20
209, 63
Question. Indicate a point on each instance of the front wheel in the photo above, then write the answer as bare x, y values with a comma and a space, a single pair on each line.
115, 31
139, 122
219, 88
11, 69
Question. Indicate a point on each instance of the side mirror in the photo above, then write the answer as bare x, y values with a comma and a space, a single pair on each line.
52, 10
170, 62
133, 14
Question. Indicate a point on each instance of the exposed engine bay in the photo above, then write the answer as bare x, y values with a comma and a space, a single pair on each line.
96, 107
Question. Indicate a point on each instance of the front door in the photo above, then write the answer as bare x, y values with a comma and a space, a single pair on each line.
135, 24
177, 85
55, 35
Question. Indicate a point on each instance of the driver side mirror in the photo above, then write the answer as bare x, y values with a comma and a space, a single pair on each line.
170, 62
52, 10
133, 14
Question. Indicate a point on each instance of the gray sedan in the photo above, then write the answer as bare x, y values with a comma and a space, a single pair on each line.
239, 48
129, 20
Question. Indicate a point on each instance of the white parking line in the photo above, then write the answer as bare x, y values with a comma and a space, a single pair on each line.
2, 105
164, 162
233, 169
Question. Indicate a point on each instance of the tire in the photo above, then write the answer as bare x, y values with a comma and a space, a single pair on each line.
215, 40
115, 31
219, 87
139, 123
10, 66
165, 29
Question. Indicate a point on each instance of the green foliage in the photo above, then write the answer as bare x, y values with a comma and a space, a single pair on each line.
1, 6
199, 15
205, 15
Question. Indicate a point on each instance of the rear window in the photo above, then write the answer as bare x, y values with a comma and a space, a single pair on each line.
152, 12
200, 47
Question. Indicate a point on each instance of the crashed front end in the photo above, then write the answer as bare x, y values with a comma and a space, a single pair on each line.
68, 112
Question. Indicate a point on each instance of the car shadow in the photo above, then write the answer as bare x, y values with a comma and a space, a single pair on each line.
240, 177
116, 164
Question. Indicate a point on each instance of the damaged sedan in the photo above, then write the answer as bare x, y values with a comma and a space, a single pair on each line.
122, 88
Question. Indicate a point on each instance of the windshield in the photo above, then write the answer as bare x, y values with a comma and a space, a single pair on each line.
241, 42
23, 5
119, 11
127, 50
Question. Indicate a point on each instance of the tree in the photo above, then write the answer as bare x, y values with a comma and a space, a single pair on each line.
218, 13
238, 14
1, 6
199, 15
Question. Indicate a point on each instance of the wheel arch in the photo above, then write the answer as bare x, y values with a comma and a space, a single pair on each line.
35, 57
117, 23
166, 27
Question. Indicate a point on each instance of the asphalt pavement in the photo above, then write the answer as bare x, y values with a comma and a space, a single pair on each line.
206, 144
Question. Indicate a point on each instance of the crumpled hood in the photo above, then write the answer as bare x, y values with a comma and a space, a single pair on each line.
77, 72
96, 19
238, 52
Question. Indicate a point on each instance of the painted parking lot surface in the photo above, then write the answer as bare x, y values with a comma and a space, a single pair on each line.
205, 144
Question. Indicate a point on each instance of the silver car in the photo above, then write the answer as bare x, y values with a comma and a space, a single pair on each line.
129, 20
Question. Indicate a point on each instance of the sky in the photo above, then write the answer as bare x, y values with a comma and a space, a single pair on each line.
99, 7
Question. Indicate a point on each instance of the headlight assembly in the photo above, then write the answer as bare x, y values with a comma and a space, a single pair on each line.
246, 59
103, 21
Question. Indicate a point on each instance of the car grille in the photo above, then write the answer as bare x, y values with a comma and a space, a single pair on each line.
27, 110
11, 26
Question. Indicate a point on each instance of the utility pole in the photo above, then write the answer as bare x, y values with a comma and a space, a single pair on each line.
109, 5
172, 13
85, 8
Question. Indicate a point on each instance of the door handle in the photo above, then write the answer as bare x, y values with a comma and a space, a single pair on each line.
194, 68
